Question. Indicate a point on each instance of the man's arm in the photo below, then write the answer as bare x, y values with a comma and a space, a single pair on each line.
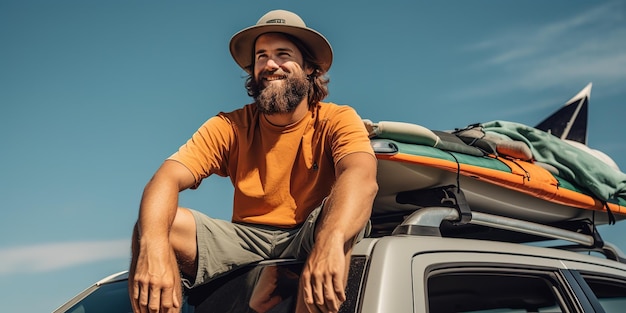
155, 280
345, 213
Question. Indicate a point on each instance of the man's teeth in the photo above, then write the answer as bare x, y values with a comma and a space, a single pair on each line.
270, 78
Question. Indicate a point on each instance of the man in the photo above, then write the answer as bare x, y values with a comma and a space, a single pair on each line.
303, 171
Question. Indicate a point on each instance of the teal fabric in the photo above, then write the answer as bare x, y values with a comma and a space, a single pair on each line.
574, 165
450, 156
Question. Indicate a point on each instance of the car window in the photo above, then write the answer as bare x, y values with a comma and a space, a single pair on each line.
484, 291
610, 292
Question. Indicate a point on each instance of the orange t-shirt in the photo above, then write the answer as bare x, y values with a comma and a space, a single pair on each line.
280, 174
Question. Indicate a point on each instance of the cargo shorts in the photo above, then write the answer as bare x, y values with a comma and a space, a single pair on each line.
224, 246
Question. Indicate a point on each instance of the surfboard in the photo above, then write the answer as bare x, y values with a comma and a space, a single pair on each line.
413, 159
496, 185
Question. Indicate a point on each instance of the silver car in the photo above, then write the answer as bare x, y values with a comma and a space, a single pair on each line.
425, 264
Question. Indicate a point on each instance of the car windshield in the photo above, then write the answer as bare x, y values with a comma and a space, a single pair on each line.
112, 297
267, 287
270, 288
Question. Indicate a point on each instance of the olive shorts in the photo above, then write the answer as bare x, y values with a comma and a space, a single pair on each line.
224, 246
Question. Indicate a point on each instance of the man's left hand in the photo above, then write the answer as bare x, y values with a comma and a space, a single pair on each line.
323, 277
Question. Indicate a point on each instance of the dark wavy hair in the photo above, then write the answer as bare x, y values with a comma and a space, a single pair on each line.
318, 81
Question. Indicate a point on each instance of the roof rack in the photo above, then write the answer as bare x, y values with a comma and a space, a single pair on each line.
433, 221
427, 221
609, 250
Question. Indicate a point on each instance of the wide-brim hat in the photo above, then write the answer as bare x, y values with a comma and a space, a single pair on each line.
280, 21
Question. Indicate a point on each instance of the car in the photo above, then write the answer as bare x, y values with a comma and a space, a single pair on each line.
425, 263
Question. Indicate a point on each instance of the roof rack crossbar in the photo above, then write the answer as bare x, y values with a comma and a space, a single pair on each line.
426, 221
609, 250
531, 228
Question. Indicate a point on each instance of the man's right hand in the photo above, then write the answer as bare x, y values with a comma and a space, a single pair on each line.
155, 286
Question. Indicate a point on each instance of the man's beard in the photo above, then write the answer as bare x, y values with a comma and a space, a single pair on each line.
282, 97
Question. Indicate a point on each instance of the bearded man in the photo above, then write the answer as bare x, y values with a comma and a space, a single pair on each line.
303, 172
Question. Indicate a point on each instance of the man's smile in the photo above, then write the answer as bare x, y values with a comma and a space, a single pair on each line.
274, 77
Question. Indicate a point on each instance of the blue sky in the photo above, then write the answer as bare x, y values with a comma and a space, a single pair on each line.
94, 95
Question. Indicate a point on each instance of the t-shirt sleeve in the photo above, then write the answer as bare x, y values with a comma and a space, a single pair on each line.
348, 134
206, 152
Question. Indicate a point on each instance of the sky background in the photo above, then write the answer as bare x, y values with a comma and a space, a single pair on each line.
94, 95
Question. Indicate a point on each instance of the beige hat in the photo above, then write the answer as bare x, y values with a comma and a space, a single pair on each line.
280, 21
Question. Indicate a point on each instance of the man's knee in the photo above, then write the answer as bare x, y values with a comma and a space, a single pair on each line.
183, 235
182, 239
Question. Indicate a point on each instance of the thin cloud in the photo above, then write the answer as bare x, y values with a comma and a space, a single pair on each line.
587, 47
54, 256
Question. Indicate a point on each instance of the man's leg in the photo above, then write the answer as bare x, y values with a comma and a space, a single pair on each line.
183, 252
303, 242
183, 241
221, 246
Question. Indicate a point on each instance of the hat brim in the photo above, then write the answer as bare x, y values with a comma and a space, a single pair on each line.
242, 44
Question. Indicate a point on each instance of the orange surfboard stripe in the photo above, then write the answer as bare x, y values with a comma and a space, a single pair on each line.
524, 177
